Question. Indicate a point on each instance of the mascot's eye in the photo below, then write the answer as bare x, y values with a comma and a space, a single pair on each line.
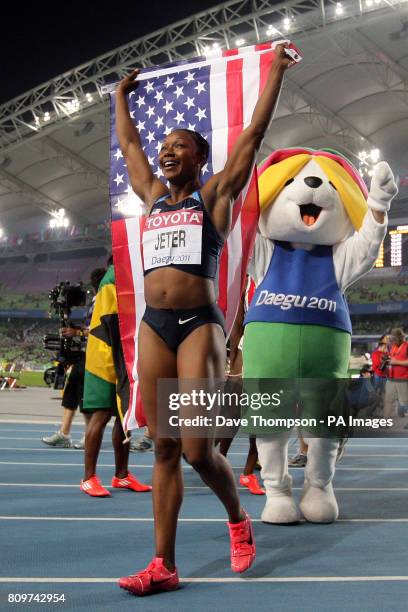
330, 183
288, 182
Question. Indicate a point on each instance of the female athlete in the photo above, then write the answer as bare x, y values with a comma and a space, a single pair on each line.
182, 332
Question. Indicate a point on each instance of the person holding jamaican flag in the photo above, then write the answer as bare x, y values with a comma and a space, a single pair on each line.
106, 391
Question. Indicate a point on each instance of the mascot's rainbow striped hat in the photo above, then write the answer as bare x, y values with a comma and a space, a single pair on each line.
285, 164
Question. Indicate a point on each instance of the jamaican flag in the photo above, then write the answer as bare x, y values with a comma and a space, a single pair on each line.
106, 381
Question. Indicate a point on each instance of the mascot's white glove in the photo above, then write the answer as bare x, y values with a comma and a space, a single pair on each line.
383, 188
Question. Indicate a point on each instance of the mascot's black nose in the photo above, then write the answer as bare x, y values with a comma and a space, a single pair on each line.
313, 181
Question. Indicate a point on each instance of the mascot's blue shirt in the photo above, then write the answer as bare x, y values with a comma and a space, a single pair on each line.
300, 287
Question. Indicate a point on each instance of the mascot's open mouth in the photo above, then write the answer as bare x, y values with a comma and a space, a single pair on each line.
309, 213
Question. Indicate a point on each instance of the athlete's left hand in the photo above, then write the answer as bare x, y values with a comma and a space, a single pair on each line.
383, 188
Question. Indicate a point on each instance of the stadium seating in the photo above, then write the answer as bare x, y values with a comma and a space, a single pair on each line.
21, 341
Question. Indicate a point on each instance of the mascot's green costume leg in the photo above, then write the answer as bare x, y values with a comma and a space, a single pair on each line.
288, 351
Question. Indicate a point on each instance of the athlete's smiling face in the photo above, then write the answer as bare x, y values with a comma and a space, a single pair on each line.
179, 157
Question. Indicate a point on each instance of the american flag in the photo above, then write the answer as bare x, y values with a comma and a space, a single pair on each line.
216, 97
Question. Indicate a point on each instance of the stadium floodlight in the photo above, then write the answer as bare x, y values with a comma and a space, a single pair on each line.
47, 116
367, 160
271, 31
130, 204
213, 50
369, 3
72, 105
286, 24
339, 9
89, 97
59, 219
240, 41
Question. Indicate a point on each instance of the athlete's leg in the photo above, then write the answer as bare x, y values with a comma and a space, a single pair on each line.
234, 387
157, 361
121, 450
252, 456
71, 399
93, 439
303, 447
202, 355
67, 418
224, 445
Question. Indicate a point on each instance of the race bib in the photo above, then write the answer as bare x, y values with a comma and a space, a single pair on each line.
173, 238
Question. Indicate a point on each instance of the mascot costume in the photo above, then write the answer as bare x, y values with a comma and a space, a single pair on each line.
319, 231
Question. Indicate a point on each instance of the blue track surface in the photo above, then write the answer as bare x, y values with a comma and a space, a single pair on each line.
51, 531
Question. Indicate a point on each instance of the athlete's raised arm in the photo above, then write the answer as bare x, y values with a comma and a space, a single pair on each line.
143, 181
223, 188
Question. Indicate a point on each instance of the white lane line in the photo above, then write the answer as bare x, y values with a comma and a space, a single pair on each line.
59, 450
237, 441
188, 467
53, 422
28, 422
21, 438
344, 489
243, 580
350, 444
117, 519
47, 448
40, 430
347, 454
81, 465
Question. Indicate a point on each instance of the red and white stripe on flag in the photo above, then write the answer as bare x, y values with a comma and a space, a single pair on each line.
236, 82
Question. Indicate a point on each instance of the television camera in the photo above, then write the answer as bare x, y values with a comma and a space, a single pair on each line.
63, 297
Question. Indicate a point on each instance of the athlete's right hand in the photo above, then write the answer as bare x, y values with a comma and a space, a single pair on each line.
128, 83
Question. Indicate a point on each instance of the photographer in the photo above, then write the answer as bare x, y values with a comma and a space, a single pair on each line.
396, 388
74, 386
365, 399
380, 358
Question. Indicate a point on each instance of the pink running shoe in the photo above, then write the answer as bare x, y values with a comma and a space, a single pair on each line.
93, 487
250, 481
130, 482
155, 578
242, 545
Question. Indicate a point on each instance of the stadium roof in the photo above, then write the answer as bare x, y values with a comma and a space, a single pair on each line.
349, 93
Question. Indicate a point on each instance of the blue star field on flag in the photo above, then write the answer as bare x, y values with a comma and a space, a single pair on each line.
158, 106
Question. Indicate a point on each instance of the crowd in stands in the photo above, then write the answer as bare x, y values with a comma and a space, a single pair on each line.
373, 291
21, 340
25, 285
376, 324
25, 301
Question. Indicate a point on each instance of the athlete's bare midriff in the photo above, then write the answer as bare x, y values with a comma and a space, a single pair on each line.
172, 288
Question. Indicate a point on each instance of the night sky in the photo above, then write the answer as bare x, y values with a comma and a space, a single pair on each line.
43, 40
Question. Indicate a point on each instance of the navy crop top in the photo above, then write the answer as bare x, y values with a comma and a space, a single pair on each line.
182, 236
